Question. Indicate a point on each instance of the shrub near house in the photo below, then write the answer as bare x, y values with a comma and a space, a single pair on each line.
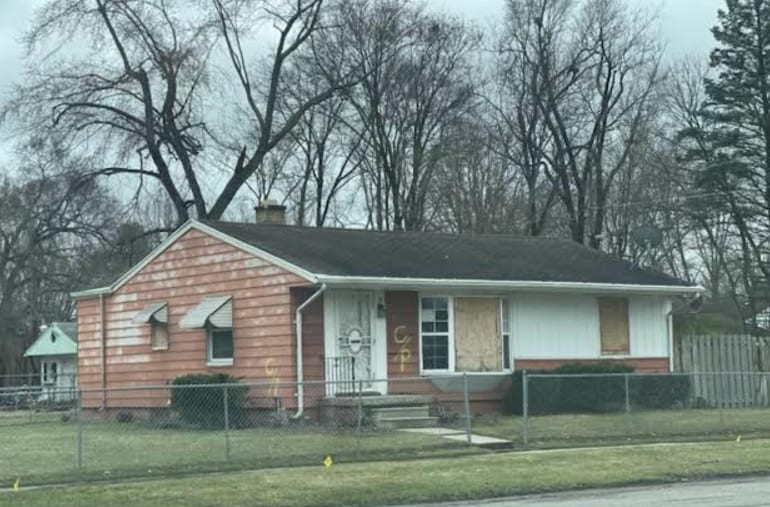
198, 400
595, 388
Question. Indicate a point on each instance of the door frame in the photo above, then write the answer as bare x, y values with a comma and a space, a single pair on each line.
378, 352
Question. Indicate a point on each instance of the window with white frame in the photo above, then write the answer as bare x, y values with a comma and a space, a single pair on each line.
505, 328
435, 333
49, 372
220, 346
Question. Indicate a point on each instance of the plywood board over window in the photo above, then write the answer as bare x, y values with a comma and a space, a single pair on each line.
613, 321
477, 334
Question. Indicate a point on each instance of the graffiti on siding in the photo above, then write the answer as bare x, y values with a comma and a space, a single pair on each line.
403, 354
272, 371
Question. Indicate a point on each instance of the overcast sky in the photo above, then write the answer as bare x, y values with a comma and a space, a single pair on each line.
684, 23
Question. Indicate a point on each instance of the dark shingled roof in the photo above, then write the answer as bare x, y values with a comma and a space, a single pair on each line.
350, 252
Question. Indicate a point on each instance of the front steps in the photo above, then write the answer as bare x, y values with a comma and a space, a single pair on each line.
381, 411
415, 416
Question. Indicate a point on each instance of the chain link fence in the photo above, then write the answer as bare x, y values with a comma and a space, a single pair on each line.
161, 430
158, 430
559, 410
25, 399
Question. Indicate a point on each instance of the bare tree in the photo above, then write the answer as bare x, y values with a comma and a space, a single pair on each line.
150, 94
414, 76
597, 65
46, 222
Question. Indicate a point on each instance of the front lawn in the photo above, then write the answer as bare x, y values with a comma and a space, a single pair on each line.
460, 478
570, 430
46, 452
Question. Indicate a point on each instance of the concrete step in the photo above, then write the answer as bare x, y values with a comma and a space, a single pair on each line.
407, 422
399, 412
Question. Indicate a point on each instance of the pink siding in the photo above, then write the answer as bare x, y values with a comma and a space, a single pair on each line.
194, 266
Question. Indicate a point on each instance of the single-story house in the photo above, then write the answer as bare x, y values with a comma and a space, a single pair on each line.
275, 303
55, 353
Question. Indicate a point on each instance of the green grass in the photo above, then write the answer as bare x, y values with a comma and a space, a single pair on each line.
570, 430
45, 453
420, 481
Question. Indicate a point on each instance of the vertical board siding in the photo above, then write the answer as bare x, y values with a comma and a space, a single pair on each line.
729, 371
648, 326
194, 266
547, 327
554, 326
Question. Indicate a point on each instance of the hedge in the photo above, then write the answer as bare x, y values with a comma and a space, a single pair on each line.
603, 392
204, 405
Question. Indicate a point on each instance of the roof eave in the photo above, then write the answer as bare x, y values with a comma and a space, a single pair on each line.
88, 293
540, 286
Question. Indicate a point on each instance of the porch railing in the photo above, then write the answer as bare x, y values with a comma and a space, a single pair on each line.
341, 374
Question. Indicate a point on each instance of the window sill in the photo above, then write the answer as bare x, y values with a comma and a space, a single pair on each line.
219, 363
159, 349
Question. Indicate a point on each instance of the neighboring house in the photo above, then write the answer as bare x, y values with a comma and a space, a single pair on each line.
277, 303
55, 352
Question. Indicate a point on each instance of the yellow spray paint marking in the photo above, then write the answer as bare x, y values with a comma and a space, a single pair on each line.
403, 355
272, 372
328, 461
16, 485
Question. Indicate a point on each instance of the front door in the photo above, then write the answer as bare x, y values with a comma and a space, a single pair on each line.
355, 343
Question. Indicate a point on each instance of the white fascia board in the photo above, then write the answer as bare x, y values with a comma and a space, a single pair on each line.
194, 224
500, 285
89, 293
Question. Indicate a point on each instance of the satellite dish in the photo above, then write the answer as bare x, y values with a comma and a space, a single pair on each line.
695, 305
647, 235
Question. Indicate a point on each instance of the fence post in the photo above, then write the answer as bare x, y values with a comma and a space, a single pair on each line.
359, 407
79, 428
524, 408
227, 424
627, 417
628, 399
467, 407
360, 416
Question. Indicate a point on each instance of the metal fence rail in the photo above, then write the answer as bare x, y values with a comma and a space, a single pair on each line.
151, 430
135, 431
582, 409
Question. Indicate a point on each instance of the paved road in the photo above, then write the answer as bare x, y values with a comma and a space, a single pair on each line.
723, 493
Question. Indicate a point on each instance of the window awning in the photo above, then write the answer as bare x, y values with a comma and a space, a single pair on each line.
214, 310
154, 311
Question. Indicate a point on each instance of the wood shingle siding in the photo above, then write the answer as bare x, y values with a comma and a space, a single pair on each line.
193, 267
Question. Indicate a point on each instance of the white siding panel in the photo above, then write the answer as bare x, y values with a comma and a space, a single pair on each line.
647, 322
547, 326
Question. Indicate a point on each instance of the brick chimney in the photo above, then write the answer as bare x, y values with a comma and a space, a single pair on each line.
270, 212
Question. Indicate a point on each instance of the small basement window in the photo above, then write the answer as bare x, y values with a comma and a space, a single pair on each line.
220, 346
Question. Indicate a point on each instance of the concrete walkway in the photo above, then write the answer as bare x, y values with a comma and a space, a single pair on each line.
459, 436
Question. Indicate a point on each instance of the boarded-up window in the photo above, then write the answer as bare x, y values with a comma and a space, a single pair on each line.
159, 336
613, 324
477, 334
